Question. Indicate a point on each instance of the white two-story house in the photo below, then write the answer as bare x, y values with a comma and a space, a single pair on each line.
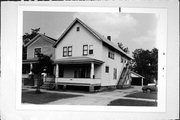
83, 57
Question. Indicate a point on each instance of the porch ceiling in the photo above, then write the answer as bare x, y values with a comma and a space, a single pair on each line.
78, 60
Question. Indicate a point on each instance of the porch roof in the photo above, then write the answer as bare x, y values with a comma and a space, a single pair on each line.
136, 75
78, 60
34, 60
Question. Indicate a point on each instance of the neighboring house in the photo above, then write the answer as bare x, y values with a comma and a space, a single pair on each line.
39, 44
137, 79
83, 57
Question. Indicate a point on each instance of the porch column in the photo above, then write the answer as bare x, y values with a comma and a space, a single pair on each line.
57, 70
142, 82
31, 66
92, 70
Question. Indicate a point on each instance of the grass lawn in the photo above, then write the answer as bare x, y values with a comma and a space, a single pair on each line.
127, 102
143, 95
44, 97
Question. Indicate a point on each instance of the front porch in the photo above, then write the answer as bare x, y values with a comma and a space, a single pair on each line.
88, 82
78, 72
27, 66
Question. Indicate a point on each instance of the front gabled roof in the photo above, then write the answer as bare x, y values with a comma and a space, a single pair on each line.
93, 32
51, 40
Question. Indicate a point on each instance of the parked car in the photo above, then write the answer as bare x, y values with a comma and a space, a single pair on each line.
150, 88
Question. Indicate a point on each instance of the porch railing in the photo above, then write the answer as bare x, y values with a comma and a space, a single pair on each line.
78, 80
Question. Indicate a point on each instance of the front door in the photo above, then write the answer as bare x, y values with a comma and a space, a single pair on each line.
82, 72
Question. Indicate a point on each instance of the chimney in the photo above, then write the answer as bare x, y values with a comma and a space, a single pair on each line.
109, 38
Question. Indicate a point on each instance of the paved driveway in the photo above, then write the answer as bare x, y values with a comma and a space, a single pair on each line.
99, 98
86, 98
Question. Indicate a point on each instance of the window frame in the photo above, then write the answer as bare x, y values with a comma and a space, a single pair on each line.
111, 54
106, 69
64, 55
91, 51
78, 29
37, 48
85, 50
68, 51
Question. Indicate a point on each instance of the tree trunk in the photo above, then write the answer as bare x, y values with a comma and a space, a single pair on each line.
37, 79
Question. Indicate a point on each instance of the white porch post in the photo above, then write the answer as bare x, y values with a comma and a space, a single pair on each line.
92, 70
57, 70
142, 81
31, 66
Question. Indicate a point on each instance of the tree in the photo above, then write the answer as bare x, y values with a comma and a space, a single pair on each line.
146, 63
44, 65
27, 37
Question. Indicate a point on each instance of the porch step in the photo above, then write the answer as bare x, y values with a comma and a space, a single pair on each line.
48, 85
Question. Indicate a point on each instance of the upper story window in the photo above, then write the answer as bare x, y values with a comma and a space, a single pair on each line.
36, 51
107, 69
85, 49
77, 28
111, 54
67, 51
64, 51
90, 49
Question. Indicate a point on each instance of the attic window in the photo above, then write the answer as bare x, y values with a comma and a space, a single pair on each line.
78, 29
37, 51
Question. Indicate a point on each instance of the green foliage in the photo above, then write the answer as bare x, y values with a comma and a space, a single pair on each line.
27, 37
146, 63
44, 64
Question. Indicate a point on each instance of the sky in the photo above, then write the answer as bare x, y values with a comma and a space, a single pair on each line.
134, 30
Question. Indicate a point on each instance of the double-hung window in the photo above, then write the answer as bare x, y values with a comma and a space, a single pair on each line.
64, 51
67, 51
107, 69
111, 54
37, 51
85, 50
90, 49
